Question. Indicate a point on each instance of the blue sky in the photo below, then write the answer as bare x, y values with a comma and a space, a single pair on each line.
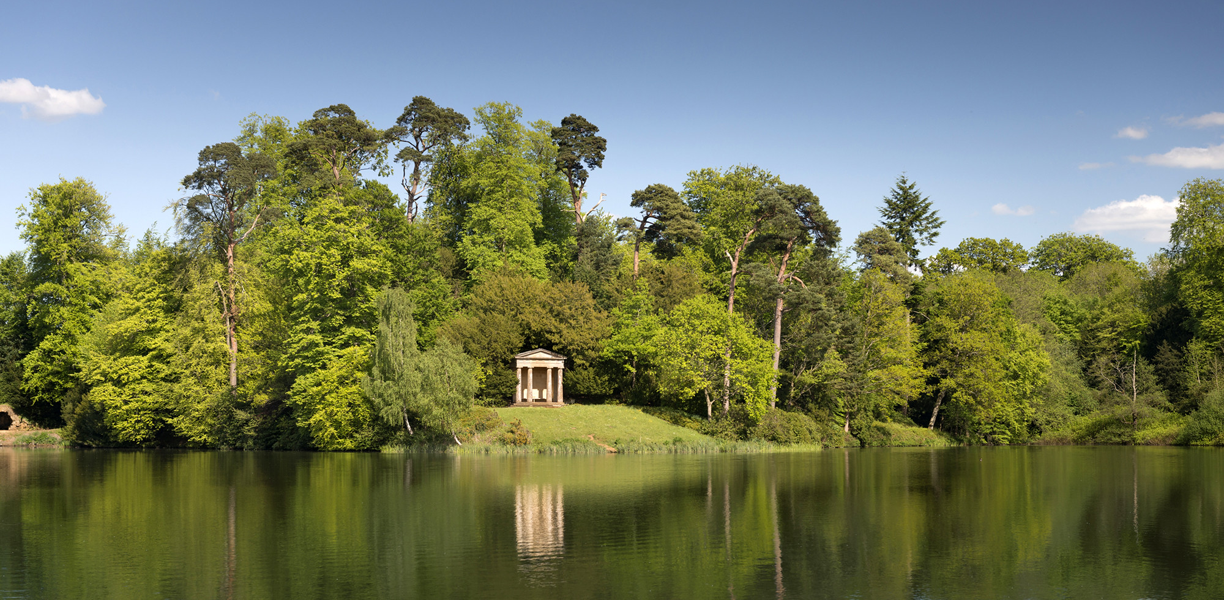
1013, 117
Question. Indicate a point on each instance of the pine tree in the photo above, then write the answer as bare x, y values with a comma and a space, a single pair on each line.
909, 218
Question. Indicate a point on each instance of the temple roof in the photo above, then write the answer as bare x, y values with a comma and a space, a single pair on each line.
539, 353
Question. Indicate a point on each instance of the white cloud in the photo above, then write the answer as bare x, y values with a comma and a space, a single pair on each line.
1132, 133
1091, 166
1211, 157
1003, 209
1148, 216
47, 103
1214, 119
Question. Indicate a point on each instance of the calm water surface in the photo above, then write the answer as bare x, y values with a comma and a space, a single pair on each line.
953, 523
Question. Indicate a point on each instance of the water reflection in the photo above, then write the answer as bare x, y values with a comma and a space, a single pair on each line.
539, 527
946, 524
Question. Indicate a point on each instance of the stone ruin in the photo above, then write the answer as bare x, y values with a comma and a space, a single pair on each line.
9, 420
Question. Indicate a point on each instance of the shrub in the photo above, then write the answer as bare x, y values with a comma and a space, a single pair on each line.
480, 424
1206, 425
785, 427
516, 434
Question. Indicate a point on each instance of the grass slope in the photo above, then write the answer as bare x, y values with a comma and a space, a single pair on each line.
607, 424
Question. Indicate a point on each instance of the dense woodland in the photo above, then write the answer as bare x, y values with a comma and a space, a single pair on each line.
303, 303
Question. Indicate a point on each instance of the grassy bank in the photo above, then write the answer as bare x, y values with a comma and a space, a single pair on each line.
48, 438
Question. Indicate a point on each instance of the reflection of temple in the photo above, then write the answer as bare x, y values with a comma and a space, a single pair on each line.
539, 521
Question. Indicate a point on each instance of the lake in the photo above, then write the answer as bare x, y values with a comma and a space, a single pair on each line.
1040, 522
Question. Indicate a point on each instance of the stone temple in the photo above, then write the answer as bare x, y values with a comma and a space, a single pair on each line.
540, 375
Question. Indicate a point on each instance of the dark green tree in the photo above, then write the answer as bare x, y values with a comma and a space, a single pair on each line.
221, 215
666, 221
798, 223
15, 336
422, 128
333, 147
578, 149
876, 249
909, 218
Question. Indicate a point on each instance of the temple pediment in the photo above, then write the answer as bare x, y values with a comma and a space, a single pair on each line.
539, 354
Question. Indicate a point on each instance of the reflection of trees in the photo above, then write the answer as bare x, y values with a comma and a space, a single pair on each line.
948, 524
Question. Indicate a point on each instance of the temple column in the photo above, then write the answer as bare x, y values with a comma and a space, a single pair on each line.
560, 387
518, 387
550, 384
531, 384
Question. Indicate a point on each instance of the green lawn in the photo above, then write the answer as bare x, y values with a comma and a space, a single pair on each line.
606, 423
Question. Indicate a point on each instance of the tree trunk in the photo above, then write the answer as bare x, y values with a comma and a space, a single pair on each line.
637, 243
773, 389
935, 413
777, 358
709, 406
846, 426
231, 318
407, 425
1134, 395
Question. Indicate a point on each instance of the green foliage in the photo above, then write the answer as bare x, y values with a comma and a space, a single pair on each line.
981, 360
510, 312
329, 403
578, 149
127, 357
1206, 425
423, 128
333, 147
516, 434
503, 181
877, 250
909, 219
72, 245
350, 312
435, 386
1197, 238
1065, 254
783, 427
997, 256
699, 344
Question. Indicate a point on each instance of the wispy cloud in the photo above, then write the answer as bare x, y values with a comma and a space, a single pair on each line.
47, 103
1132, 133
1146, 216
1214, 119
1003, 209
1211, 157
1092, 166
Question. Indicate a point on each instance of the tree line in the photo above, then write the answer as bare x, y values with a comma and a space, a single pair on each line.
303, 303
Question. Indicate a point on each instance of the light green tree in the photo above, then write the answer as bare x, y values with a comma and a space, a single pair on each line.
693, 358
997, 256
1065, 254
72, 245
881, 353
437, 386
980, 360
1197, 238
127, 355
